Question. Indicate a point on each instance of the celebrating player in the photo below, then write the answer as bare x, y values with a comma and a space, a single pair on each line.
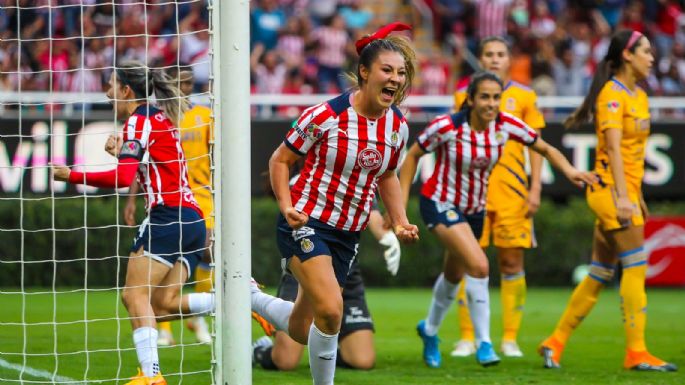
468, 144
511, 202
171, 239
196, 129
621, 115
355, 346
352, 144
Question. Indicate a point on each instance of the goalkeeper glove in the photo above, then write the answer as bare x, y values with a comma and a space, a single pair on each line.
392, 252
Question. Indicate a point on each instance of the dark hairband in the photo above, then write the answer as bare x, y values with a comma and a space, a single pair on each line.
382, 33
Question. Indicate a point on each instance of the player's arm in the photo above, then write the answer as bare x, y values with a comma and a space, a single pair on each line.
129, 156
391, 194
534, 118
559, 161
624, 207
130, 209
279, 173
408, 170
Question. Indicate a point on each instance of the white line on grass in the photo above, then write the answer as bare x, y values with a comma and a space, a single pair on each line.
61, 380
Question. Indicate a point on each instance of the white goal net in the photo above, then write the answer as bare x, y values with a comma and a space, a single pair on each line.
66, 247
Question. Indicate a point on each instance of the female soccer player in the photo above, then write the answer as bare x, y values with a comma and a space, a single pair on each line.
621, 114
511, 202
171, 239
352, 144
468, 144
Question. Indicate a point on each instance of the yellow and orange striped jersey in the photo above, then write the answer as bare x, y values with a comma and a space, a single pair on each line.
197, 130
620, 108
519, 101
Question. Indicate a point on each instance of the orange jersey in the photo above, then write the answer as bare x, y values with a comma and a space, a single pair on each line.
519, 101
196, 132
620, 108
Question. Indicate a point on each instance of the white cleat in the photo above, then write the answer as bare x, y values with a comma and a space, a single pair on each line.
463, 348
511, 349
165, 338
199, 326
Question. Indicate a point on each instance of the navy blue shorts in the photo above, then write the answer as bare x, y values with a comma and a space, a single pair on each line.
434, 213
317, 238
169, 235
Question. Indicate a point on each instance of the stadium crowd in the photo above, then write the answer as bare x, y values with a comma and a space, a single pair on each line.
305, 46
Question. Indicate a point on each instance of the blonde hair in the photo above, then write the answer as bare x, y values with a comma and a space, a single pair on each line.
145, 81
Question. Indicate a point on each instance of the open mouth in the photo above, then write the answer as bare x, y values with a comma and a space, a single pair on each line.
388, 92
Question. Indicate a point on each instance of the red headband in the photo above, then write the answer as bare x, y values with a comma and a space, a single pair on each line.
380, 34
633, 39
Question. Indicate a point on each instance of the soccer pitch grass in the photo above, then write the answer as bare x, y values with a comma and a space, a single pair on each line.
594, 354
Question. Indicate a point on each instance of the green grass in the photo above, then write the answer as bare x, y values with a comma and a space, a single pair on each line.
594, 354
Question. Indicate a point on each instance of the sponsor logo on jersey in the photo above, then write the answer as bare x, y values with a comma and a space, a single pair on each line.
307, 245
499, 138
511, 104
314, 131
480, 162
369, 159
613, 105
394, 138
131, 148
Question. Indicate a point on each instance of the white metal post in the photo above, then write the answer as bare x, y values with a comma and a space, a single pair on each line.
231, 46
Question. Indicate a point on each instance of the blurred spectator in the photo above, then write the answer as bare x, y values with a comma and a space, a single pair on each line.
269, 71
568, 73
291, 42
322, 10
542, 23
266, 19
294, 85
671, 83
667, 23
611, 11
449, 16
435, 74
491, 17
633, 17
356, 17
333, 44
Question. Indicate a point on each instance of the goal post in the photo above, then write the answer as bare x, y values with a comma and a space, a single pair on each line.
231, 24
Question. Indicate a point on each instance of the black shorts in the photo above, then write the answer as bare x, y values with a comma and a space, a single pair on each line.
434, 213
317, 238
356, 315
170, 235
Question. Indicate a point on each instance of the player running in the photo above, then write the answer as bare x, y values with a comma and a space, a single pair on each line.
171, 239
352, 145
468, 144
511, 202
621, 115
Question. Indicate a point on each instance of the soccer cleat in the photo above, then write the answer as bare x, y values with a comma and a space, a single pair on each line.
511, 349
550, 350
199, 326
165, 338
259, 347
268, 328
463, 348
431, 353
140, 379
486, 356
645, 362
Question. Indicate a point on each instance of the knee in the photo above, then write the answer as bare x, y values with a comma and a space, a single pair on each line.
481, 269
509, 266
163, 302
329, 315
361, 362
129, 298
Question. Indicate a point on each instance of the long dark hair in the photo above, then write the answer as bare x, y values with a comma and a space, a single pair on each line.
145, 81
391, 43
476, 79
612, 62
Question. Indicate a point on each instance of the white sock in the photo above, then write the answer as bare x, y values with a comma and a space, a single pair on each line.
444, 293
323, 349
201, 303
145, 339
479, 307
273, 309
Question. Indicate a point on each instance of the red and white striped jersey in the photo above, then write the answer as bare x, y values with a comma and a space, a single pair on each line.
345, 154
465, 157
163, 171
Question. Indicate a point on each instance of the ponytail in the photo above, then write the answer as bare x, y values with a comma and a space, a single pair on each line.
145, 82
